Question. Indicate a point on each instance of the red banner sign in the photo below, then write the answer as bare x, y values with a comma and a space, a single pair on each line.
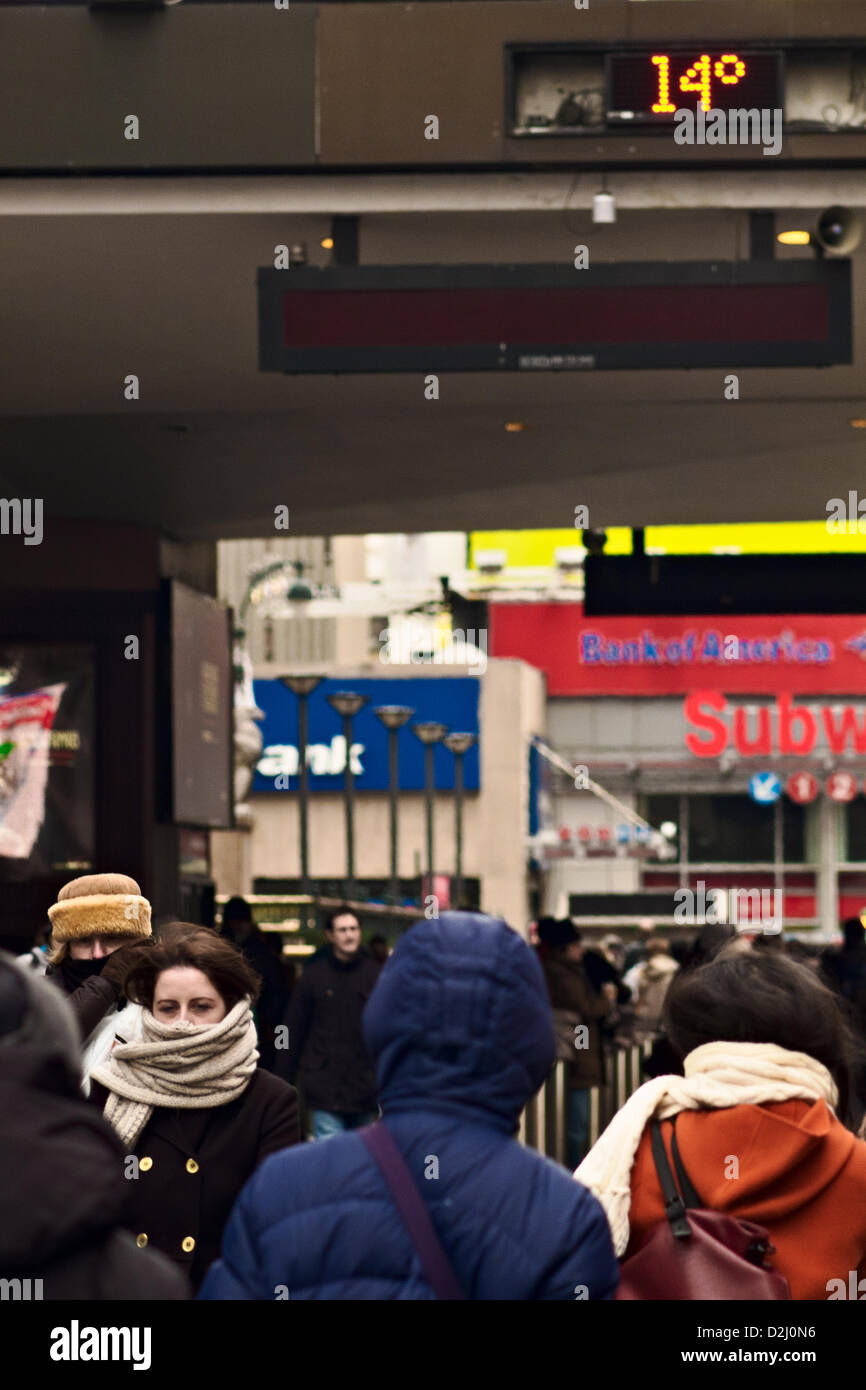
806, 655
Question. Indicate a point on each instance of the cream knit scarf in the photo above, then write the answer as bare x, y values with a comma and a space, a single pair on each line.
187, 1066
718, 1075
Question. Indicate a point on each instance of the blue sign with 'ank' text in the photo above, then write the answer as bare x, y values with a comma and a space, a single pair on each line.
450, 700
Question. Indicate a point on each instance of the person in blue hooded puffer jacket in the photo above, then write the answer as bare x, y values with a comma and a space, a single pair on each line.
459, 1025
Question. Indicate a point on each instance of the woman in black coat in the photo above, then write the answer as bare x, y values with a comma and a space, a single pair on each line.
195, 1114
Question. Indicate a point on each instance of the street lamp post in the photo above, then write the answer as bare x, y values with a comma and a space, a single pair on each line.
430, 733
347, 704
303, 687
394, 717
459, 745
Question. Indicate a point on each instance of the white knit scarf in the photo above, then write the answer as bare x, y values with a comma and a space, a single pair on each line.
718, 1075
187, 1066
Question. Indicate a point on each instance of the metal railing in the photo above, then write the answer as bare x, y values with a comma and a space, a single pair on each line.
543, 1124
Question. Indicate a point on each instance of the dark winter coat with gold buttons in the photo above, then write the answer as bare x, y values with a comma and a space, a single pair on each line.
193, 1163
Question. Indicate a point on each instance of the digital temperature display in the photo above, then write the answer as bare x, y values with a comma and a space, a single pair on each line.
649, 87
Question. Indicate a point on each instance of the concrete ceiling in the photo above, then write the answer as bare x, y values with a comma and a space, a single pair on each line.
213, 445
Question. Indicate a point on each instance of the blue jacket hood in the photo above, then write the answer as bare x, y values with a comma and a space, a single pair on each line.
460, 1020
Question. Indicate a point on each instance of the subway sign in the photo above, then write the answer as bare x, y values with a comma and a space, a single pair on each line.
786, 727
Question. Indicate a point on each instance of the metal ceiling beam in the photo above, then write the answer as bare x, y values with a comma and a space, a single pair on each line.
428, 192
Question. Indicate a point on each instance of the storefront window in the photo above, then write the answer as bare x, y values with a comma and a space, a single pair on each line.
730, 830
736, 830
793, 832
855, 821
663, 813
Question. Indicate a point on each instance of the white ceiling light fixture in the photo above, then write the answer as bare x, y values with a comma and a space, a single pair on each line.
569, 557
491, 561
604, 204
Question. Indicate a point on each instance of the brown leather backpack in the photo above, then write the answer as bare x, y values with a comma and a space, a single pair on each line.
696, 1253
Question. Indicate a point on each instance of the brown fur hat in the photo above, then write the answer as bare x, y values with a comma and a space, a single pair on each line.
100, 904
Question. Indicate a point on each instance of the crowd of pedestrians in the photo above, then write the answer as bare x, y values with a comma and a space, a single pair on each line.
187, 1119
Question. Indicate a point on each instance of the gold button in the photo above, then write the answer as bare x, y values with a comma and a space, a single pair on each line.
141, 1240
145, 1164
187, 1244
191, 1165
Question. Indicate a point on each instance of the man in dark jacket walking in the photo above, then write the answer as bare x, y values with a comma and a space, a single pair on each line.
325, 1042
460, 1026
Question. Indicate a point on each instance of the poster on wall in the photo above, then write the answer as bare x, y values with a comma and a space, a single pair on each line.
46, 760
202, 761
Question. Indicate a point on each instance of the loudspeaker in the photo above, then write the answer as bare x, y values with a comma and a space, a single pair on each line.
838, 231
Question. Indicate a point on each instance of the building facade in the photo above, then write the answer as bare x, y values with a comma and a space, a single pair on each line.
743, 740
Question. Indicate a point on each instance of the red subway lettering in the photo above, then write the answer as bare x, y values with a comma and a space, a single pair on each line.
790, 714
712, 747
838, 738
763, 742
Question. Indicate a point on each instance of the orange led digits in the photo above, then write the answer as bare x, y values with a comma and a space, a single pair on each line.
691, 81
664, 103
729, 77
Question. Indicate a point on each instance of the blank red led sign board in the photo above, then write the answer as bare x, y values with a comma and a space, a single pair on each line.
388, 319
647, 88
524, 318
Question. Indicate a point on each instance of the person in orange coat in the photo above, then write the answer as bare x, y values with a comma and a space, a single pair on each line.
760, 1122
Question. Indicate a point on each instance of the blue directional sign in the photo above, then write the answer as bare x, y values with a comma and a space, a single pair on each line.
765, 787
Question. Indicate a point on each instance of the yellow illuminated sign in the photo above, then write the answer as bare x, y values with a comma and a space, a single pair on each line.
750, 538
536, 549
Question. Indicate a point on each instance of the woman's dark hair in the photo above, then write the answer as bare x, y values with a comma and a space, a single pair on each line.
769, 941
184, 945
712, 938
764, 998
681, 950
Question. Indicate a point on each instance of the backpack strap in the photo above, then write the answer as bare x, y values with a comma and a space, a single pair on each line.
409, 1203
690, 1197
675, 1210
